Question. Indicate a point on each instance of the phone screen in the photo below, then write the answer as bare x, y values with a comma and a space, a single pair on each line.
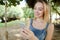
22, 25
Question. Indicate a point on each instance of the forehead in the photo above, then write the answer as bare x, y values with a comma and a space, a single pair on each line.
39, 4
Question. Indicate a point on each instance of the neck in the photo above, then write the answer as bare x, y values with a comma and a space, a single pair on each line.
39, 18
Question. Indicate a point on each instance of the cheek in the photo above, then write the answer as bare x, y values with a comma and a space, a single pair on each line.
41, 12
38, 13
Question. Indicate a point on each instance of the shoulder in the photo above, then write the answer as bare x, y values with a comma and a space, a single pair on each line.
51, 27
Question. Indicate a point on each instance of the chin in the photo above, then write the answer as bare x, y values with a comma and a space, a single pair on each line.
37, 16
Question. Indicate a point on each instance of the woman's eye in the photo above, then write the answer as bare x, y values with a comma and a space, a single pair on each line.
40, 9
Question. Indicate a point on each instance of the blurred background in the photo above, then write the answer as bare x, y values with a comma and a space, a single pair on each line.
15, 12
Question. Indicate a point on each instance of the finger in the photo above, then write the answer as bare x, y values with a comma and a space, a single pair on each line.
29, 31
24, 31
24, 35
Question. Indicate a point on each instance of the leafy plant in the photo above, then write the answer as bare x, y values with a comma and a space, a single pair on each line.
10, 2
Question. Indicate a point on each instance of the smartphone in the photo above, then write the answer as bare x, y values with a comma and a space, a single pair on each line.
22, 25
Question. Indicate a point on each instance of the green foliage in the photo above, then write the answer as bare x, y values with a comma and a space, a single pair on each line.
28, 12
54, 5
56, 2
11, 11
10, 2
2, 11
10, 24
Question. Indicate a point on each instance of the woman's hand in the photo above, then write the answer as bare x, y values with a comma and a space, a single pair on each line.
27, 34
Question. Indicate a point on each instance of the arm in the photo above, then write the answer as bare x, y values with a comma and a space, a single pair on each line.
50, 31
28, 34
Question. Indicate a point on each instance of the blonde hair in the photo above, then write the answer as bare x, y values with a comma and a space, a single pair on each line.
46, 12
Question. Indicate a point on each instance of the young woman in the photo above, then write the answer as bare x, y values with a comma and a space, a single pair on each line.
39, 27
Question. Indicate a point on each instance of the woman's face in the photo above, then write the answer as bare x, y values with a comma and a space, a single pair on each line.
38, 10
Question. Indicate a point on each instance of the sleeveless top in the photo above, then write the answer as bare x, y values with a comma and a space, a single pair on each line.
40, 34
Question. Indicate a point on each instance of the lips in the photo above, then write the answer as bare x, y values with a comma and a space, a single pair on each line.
37, 14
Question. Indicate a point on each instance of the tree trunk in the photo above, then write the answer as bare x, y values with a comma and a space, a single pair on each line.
6, 32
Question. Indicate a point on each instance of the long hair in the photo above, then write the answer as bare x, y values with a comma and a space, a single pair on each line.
46, 12
31, 4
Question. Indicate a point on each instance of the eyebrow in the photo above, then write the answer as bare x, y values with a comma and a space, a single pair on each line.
39, 7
